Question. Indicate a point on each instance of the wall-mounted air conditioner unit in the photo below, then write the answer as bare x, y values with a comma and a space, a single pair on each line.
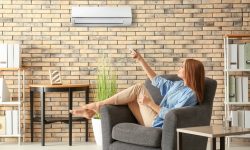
101, 16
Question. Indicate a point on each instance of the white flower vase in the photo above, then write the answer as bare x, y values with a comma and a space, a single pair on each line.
97, 129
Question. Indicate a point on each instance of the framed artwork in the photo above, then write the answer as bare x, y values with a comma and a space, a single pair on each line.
55, 77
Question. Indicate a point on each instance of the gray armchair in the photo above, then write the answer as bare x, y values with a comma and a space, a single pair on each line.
122, 132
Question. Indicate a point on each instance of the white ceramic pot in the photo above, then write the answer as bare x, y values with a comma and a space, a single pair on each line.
97, 129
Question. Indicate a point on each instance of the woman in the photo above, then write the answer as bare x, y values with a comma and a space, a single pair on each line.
186, 92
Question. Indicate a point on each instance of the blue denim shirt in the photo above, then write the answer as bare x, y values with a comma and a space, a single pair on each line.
175, 95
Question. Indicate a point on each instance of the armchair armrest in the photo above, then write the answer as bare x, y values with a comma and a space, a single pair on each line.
110, 116
181, 118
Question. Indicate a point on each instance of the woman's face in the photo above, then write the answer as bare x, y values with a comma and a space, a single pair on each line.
181, 72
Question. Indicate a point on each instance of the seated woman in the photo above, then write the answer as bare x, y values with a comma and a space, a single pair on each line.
187, 92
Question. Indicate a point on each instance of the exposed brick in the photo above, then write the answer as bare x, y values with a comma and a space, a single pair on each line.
166, 32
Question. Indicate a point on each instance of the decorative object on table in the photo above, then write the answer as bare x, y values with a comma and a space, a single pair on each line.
106, 87
55, 77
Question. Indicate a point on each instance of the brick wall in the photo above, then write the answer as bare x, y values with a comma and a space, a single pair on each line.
166, 32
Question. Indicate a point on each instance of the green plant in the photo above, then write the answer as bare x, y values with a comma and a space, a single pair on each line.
106, 81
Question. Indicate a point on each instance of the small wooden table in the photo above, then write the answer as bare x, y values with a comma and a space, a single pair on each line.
70, 88
211, 132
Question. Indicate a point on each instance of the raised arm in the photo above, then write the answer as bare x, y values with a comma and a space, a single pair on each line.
137, 56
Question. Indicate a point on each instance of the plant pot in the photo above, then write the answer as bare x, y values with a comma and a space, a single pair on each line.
97, 129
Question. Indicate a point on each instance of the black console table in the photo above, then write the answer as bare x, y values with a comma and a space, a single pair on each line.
42, 89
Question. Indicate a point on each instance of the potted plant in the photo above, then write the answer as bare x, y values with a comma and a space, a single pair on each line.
105, 87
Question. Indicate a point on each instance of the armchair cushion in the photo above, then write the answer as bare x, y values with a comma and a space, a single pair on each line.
137, 134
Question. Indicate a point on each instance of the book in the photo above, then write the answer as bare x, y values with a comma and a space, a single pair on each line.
2, 125
17, 56
247, 118
232, 95
241, 118
233, 56
4, 91
8, 120
10, 56
3, 56
245, 89
241, 52
238, 89
234, 116
247, 56
15, 122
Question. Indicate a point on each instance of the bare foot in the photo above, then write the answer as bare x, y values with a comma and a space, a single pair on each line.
92, 106
86, 113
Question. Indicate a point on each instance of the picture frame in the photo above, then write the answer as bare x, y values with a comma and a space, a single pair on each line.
55, 77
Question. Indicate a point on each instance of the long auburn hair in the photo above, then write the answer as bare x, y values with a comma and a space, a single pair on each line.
195, 77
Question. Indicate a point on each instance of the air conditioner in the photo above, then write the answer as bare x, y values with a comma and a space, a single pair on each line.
101, 16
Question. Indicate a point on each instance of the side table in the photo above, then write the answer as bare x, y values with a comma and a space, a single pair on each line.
210, 132
42, 89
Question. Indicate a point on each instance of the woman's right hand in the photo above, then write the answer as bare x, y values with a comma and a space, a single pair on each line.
135, 54
145, 100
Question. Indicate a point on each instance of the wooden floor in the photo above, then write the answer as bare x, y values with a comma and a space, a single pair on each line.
79, 146
49, 146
